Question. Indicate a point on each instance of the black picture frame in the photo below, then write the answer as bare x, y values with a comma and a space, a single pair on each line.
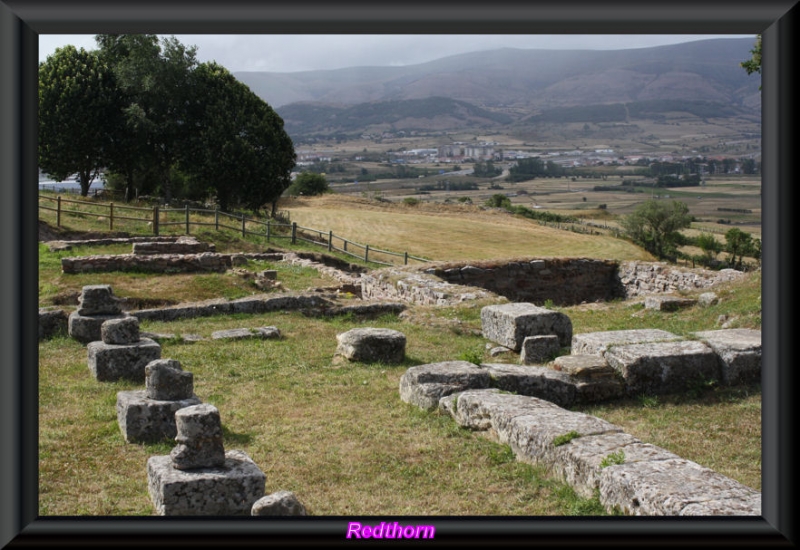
22, 21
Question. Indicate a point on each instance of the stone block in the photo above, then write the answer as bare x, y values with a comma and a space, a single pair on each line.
109, 362
510, 324
98, 300
541, 382
739, 353
539, 349
165, 380
145, 420
52, 322
372, 345
596, 343
425, 385
580, 462
667, 303
120, 331
87, 329
491, 410
263, 333
584, 366
536, 437
707, 299
664, 367
281, 503
671, 487
199, 438
227, 490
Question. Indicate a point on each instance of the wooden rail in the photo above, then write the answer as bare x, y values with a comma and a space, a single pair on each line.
157, 218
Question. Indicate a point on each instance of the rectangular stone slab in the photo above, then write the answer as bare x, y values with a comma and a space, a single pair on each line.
226, 491
670, 488
109, 362
664, 367
541, 382
596, 343
739, 352
144, 420
509, 324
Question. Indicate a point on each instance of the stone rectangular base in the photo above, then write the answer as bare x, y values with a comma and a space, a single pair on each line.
509, 324
109, 362
86, 328
144, 420
226, 491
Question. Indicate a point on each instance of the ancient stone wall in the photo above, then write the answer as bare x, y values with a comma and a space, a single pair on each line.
642, 278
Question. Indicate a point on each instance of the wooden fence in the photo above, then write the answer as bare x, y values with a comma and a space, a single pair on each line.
158, 218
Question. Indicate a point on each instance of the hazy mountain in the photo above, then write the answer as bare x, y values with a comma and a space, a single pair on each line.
518, 83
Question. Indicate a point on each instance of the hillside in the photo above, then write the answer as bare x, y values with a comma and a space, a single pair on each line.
534, 79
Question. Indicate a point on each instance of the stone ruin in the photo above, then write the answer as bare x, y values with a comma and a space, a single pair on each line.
200, 478
280, 503
371, 345
148, 416
121, 352
96, 305
521, 406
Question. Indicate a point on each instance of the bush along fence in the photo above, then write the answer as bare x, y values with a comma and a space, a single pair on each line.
158, 219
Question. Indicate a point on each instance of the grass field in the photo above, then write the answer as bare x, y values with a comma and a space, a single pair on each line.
338, 435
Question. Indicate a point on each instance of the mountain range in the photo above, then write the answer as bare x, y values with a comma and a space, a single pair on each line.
503, 86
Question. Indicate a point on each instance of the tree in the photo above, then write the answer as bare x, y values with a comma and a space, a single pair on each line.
153, 76
498, 200
78, 111
237, 147
738, 243
656, 225
753, 65
309, 184
710, 247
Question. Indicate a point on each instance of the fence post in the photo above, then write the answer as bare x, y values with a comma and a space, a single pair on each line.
345, 245
58, 212
366, 253
267, 230
243, 231
405, 258
330, 241
111, 216
155, 220
216, 218
187, 219
294, 232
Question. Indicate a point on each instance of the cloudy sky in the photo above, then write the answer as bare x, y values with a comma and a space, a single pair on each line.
289, 53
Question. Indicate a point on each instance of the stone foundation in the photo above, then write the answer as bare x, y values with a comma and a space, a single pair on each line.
145, 420
109, 362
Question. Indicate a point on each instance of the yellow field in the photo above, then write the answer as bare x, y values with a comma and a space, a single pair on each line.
450, 232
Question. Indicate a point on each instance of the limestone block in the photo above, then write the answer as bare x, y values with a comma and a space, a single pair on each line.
510, 324
371, 345
668, 487
98, 300
87, 329
425, 385
580, 461
667, 303
596, 343
748, 506
263, 333
539, 349
145, 420
584, 366
165, 380
540, 382
109, 362
120, 331
707, 299
534, 437
269, 274
491, 410
739, 353
281, 503
199, 438
597, 390
52, 322
227, 490
664, 367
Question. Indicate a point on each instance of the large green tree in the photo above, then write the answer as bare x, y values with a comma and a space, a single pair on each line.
655, 226
79, 108
237, 148
153, 75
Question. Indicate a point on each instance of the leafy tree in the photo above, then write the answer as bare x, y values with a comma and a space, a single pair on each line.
309, 184
78, 111
710, 247
753, 65
656, 225
738, 243
499, 200
153, 76
237, 148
